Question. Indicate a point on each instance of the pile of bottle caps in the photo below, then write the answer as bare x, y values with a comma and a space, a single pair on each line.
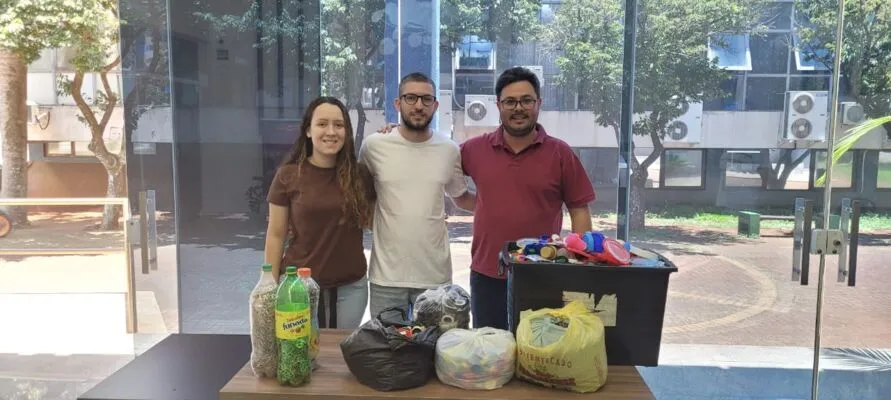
574, 248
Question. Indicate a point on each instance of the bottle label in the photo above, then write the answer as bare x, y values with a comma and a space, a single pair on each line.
314, 340
292, 325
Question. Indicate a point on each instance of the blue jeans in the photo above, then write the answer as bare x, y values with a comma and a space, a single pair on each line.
384, 297
488, 301
348, 309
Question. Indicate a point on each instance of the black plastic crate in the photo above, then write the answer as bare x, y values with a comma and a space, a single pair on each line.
629, 299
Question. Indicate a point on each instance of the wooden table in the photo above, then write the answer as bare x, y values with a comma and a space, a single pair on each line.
333, 380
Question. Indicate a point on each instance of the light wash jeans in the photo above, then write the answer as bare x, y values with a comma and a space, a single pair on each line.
384, 297
352, 299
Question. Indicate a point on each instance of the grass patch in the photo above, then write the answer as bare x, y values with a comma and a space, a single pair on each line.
727, 219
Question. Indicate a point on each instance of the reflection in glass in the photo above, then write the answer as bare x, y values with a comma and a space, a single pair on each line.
769, 53
731, 51
765, 94
883, 174
741, 169
842, 170
683, 168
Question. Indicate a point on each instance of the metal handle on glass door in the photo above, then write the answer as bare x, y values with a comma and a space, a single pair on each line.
849, 224
801, 242
143, 232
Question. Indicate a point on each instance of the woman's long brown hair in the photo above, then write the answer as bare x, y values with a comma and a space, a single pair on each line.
356, 204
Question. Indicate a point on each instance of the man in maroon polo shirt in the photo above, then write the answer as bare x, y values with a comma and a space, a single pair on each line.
523, 178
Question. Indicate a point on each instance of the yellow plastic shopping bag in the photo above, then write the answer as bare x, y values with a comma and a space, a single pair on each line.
562, 348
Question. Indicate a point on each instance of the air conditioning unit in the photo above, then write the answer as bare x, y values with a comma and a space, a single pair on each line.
539, 72
852, 113
481, 110
807, 115
688, 127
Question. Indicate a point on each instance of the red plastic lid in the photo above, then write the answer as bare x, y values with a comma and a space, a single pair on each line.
586, 255
615, 253
304, 272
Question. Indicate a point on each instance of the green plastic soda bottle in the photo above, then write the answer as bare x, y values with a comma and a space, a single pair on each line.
293, 327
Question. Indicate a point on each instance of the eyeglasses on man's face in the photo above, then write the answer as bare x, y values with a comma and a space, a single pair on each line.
526, 102
411, 99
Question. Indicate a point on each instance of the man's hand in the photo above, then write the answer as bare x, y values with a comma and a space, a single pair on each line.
387, 128
466, 201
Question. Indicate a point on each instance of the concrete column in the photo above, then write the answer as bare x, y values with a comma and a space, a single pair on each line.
411, 36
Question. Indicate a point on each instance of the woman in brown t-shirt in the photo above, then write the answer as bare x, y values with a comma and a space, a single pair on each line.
324, 197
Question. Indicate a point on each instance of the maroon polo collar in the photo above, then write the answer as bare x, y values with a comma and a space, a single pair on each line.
497, 137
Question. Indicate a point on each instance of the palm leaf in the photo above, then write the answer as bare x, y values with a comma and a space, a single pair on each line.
860, 359
853, 136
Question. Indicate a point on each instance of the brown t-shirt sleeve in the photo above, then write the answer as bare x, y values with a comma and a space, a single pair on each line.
278, 193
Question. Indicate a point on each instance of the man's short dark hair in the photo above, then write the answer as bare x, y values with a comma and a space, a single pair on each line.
517, 74
416, 77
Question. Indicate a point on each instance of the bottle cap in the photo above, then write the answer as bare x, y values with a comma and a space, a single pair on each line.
291, 270
549, 252
267, 267
304, 272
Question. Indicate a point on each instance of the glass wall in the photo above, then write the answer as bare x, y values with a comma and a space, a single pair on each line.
760, 118
729, 117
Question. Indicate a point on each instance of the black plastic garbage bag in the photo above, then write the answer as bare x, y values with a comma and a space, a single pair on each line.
383, 359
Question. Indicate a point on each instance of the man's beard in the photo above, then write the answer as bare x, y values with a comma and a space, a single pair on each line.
520, 132
408, 123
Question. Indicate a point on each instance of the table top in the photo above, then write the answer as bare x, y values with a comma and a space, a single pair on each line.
180, 367
333, 380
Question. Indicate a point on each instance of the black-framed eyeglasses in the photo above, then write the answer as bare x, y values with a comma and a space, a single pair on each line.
411, 99
527, 102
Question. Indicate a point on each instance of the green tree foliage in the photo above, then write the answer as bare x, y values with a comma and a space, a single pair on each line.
865, 62
866, 58
27, 27
672, 63
504, 21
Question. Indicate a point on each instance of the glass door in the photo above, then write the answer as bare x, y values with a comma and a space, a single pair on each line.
149, 101
854, 339
718, 176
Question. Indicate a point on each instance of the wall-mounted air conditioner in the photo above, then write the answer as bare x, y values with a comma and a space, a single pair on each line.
852, 113
807, 115
481, 110
688, 127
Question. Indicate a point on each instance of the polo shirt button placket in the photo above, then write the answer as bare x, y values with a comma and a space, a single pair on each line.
514, 161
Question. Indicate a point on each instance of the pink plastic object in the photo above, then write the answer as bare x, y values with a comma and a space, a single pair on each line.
574, 242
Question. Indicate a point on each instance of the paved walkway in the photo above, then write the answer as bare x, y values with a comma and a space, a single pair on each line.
729, 291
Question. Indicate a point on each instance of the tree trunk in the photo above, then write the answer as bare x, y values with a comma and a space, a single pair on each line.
637, 207
113, 163
775, 178
360, 125
14, 131
117, 179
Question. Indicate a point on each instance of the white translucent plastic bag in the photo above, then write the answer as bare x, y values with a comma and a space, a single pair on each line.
483, 358
447, 306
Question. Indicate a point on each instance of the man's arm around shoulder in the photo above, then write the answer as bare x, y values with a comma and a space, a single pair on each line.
457, 187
